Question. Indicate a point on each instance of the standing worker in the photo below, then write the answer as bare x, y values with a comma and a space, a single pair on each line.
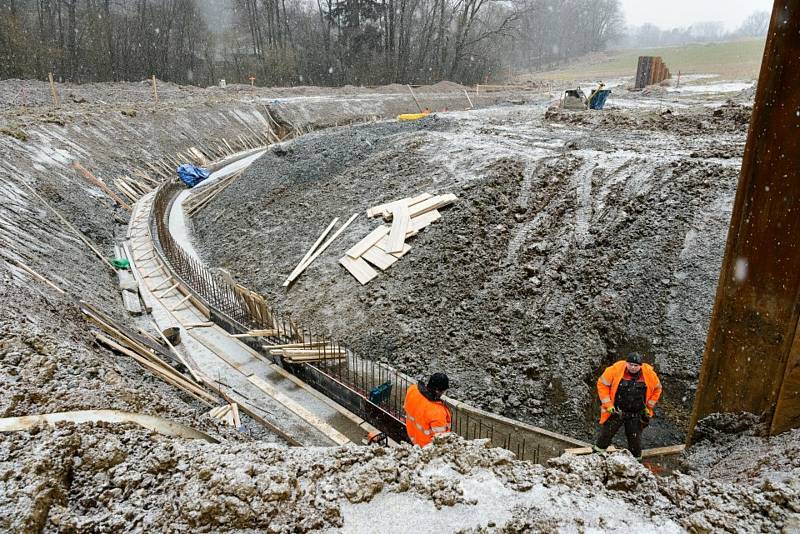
426, 412
628, 390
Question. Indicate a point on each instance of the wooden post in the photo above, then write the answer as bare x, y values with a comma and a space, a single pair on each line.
155, 89
468, 99
752, 355
56, 100
679, 80
415, 98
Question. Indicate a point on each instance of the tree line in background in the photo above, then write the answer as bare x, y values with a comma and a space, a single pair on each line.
301, 42
649, 35
291, 42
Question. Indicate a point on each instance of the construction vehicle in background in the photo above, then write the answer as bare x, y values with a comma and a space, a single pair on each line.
576, 99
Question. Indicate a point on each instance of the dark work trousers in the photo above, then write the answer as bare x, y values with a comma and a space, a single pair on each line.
633, 431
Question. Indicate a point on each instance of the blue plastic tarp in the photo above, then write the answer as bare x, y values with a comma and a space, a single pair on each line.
599, 99
192, 175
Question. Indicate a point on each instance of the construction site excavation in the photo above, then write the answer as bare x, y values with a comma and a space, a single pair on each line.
366, 298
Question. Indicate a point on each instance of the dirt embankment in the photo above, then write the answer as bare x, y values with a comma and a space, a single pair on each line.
576, 238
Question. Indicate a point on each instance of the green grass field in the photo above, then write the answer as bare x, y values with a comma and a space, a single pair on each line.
734, 60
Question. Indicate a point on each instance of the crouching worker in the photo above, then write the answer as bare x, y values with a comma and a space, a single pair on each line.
426, 412
628, 393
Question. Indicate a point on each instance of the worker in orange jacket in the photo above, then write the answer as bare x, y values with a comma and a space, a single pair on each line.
426, 412
628, 390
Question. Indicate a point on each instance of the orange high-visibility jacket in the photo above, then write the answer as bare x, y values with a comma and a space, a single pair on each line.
424, 418
609, 381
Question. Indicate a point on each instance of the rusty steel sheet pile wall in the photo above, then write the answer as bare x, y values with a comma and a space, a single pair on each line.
373, 390
650, 70
752, 355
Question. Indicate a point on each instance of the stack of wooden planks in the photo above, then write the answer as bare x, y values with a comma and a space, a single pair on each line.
302, 353
384, 245
228, 414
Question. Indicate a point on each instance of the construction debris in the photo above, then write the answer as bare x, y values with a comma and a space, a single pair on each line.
383, 246
228, 414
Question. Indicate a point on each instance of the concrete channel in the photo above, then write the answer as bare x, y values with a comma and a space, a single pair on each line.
311, 403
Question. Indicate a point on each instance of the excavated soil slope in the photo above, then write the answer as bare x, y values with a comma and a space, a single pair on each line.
576, 237
102, 477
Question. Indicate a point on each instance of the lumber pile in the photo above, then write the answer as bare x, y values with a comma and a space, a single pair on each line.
228, 414
146, 352
304, 353
384, 245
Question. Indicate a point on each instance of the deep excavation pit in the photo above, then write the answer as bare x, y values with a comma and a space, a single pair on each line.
576, 238
111, 477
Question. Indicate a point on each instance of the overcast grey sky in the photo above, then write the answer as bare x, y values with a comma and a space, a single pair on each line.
673, 13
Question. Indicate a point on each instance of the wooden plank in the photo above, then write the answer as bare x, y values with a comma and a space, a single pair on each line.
400, 222
172, 377
386, 208
308, 254
235, 410
299, 353
646, 453
383, 244
131, 302
359, 269
36, 275
365, 244
294, 407
257, 333
99, 183
144, 295
127, 280
432, 204
292, 345
180, 303
380, 258
421, 221
321, 249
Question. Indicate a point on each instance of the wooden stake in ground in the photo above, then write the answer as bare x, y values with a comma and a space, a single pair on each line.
468, 99
415, 98
155, 89
56, 100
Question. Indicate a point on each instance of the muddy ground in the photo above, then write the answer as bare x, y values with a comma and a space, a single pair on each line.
119, 478
576, 238
101, 477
